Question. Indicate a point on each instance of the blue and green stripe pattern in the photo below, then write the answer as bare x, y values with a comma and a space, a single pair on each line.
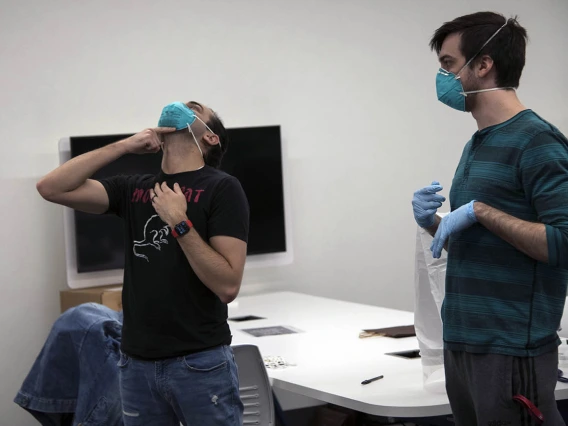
499, 300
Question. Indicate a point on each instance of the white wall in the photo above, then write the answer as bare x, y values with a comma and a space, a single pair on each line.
351, 83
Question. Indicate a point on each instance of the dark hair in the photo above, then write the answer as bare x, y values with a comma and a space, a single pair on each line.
215, 154
507, 48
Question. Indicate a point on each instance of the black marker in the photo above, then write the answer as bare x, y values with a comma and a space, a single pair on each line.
366, 382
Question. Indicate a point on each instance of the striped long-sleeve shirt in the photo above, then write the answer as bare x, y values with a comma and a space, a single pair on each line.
499, 300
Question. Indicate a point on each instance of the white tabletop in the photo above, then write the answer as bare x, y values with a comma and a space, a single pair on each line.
331, 360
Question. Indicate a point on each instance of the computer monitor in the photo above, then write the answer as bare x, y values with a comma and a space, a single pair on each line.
95, 243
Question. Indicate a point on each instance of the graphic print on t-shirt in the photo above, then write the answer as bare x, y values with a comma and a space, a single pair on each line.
186, 317
155, 230
155, 233
141, 195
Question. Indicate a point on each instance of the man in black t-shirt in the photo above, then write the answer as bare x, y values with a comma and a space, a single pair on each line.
186, 232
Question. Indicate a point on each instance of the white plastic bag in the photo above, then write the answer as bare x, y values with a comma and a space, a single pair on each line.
429, 283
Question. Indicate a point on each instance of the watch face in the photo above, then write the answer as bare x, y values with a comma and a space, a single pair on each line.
182, 228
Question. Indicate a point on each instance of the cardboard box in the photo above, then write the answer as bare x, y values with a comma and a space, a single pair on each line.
110, 296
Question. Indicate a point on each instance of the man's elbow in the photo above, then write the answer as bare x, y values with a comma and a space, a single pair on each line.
230, 293
561, 261
44, 190
227, 299
557, 242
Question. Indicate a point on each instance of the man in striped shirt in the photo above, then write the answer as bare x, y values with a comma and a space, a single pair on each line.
506, 235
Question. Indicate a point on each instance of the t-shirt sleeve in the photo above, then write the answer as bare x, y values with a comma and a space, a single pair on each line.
230, 213
544, 173
116, 188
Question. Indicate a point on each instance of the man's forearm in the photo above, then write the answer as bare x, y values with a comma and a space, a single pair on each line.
527, 237
73, 173
210, 266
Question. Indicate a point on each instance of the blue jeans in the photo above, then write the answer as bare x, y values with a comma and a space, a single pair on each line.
197, 389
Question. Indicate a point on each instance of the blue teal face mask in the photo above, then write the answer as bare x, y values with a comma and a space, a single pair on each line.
180, 116
449, 88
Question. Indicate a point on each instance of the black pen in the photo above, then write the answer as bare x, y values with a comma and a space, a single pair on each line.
366, 382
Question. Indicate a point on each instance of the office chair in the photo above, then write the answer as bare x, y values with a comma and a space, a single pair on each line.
254, 386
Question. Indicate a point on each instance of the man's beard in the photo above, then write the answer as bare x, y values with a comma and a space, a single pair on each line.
471, 98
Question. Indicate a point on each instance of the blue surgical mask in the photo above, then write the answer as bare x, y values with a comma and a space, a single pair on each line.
449, 88
180, 116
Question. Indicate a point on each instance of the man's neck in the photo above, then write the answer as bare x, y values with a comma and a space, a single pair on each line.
496, 107
181, 157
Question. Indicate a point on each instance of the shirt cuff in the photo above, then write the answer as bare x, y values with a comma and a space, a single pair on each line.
553, 237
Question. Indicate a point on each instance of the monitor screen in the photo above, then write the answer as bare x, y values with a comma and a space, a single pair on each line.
254, 157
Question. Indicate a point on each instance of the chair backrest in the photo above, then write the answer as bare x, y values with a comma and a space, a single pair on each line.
254, 386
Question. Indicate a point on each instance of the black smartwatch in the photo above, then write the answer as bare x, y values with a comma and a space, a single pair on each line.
182, 228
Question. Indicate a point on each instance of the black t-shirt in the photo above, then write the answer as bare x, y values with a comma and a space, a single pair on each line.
168, 311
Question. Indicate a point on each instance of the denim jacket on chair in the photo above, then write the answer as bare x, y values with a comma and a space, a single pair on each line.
74, 380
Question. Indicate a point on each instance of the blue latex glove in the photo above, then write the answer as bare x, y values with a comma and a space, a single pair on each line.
455, 222
425, 203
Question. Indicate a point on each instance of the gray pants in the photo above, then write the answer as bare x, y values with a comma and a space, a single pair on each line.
481, 388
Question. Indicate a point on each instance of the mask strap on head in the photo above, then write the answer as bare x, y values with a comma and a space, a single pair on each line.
482, 47
196, 143
208, 128
488, 90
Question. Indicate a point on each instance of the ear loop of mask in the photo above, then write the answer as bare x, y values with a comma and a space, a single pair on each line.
193, 135
207, 127
196, 143
482, 47
474, 56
